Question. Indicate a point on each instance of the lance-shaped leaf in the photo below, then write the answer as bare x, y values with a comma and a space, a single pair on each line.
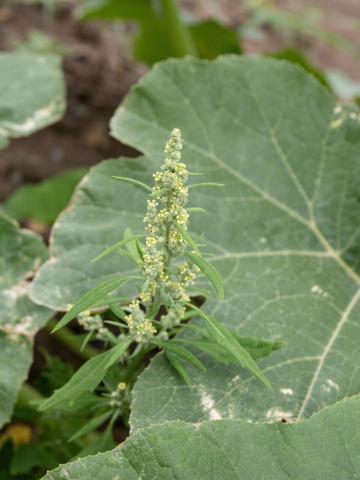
209, 271
257, 348
323, 447
99, 293
32, 93
224, 337
284, 232
21, 253
87, 378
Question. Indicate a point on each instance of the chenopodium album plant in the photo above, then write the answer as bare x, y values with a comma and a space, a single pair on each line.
169, 263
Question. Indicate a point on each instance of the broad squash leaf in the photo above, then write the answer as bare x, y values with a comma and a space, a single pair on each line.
324, 447
32, 93
21, 253
284, 231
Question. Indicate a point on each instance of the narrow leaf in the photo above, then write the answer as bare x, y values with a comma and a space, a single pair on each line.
258, 347
223, 336
196, 210
181, 352
212, 349
115, 247
87, 378
186, 235
91, 425
206, 184
92, 297
103, 442
135, 182
209, 271
176, 363
111, 300
118, 311
131, 245
140, 249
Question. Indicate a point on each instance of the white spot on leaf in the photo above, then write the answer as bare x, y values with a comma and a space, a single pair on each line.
25, 328
17, 291
317, 290
208, 403
278, 415
32, 123
330, 385
287, 391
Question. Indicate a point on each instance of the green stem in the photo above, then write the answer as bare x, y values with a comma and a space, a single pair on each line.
179, 34
132, 371
72, 341
27, 395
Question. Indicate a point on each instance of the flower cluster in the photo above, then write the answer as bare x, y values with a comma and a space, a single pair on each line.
166, 277
165, 219
140, 327
119, 396
94, 324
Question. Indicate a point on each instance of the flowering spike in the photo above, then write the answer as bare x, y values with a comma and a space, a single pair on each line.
165, 220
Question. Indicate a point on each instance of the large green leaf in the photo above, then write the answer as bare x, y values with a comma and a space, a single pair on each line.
325, 447
21, 253
44, 201
32, 93
284, 231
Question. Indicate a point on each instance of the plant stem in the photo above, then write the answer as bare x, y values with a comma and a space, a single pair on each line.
27, 394
132, 371
178, 31
72, 341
